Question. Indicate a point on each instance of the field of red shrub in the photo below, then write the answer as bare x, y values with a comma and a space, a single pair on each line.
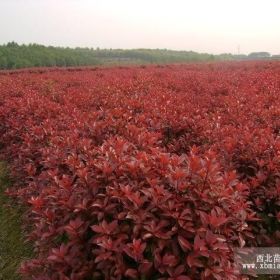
152, 172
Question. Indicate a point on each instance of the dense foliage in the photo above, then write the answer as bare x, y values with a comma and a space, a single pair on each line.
144, 172
14, 56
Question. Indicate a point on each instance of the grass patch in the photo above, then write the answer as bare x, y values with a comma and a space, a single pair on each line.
13, 249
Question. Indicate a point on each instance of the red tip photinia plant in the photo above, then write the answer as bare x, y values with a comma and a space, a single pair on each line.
143, 173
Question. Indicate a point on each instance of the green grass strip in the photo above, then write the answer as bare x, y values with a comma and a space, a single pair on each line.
13, 249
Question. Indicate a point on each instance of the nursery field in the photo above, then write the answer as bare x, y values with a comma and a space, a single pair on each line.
147, 172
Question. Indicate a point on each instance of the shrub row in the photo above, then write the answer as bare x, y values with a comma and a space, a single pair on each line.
144, 173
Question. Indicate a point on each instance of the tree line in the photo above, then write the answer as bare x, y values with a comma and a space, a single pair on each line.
13, 56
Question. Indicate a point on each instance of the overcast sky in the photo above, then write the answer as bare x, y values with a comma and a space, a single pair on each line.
214, 26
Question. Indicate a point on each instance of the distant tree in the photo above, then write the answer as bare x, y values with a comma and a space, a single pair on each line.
14, 56
259, 55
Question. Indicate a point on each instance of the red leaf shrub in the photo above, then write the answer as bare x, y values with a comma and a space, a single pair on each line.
144, 173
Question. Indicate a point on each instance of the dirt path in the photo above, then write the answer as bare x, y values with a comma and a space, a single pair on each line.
12, 248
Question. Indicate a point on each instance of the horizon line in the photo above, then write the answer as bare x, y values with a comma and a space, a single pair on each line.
139, 48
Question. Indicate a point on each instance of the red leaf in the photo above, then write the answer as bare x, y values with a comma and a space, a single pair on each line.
132, 273
199, 244
105, 228
184, 243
